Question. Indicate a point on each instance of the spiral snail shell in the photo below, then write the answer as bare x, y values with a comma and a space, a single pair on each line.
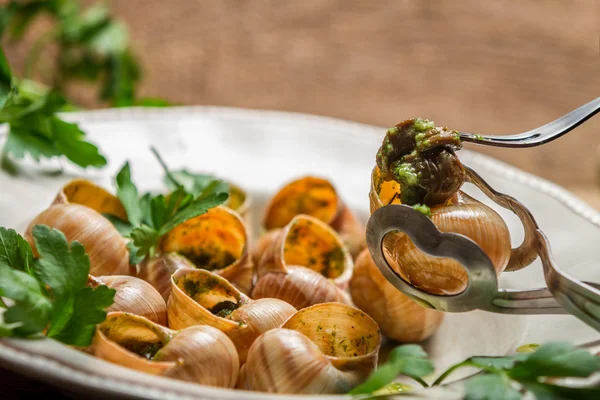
399, 318
157, 271
133, 296
216, 241
304, 264
318, 198
325, 348
199, 297
460, 214
199, 354
103, 244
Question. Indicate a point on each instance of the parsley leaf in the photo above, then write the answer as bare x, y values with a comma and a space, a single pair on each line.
88, 310
49, 294
144, 239
134, 259
503, 376
62, 268
90, 45
35, 129
558, 359
69, 141
128, 194
410, 360
151, 217
548, 391
31, 309
15, 252
198, 206
488, 387
196, 183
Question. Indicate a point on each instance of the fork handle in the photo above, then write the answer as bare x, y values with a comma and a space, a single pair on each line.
538, 136
582, 299
531, 301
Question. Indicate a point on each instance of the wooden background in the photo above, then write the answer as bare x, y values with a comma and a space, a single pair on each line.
480, 66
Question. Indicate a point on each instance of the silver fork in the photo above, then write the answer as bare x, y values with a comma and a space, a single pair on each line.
563, 294
541, 135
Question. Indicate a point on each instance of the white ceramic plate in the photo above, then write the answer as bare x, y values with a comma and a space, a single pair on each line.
261, 150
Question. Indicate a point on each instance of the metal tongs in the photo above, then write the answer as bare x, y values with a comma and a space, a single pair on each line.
563, 294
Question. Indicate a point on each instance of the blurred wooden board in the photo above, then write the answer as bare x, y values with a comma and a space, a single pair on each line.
488, 67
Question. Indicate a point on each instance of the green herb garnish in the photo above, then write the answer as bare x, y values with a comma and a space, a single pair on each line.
423, 209
410, 360
422, 124
35, 128
90, 45
48, 295
152, 216
508, 377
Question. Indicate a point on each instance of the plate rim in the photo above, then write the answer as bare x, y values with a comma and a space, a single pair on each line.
27, 360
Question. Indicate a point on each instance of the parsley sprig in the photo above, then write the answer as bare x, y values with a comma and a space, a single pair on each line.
501, 378
410, 360
35, 128
48, 295
150, 217
91, 46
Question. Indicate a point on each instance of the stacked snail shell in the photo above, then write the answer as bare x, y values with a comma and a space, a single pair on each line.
399, 317
417, 165
317, 197
325, 348
200, 354
134, 296
305, 263
460, 214
240, 202
216, 241
77, 212
199, 297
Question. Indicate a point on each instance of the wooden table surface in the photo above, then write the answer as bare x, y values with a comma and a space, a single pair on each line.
487, 67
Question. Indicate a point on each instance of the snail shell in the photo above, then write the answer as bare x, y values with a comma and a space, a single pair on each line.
134, 296
305, 263
399, 317
318, 198
199, 297
460, 214
216, 241
103, 244
157, 271
326, 348
199, 354
240, 201
87, 193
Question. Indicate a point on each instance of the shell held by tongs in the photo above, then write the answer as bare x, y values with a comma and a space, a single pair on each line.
198, 354
326, 348
305, 263
399, 317
317, 197
460, 214
420, 159
417, 166
199, 297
